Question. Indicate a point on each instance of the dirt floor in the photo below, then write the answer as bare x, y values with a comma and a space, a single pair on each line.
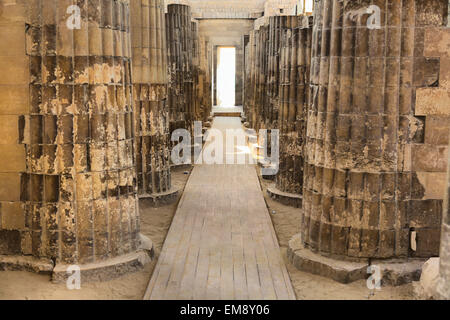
155, 224
307, 286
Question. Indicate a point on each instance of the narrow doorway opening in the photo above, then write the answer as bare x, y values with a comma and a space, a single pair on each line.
226, 77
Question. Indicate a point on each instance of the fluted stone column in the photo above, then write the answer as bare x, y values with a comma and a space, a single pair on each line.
150, 79
363, 197
204, 78
260, 74
249, 104
294, 93
78, 188
179, 42
197, 112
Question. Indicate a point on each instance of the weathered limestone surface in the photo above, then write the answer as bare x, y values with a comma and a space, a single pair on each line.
69, 191
341, 271
181, 80
362, 195
149, 48
80, 135
219, 9
195, 98
294, 94
278, 56
204, 92
270, 103
277, 7
256, 85
433, 107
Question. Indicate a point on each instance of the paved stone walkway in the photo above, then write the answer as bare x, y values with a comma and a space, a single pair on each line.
221, 244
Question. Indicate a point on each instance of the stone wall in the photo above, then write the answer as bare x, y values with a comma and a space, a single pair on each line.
81, 170
15, 228
226, 32
432, 107
219, 9
68, 192
280, 7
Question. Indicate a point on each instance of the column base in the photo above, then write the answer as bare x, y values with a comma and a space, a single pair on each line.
156, 200
393, 272
289, 199
111, 268
105, 270
26, 263
92, 272
341, 271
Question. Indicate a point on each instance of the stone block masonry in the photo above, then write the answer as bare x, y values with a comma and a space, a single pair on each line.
432, 107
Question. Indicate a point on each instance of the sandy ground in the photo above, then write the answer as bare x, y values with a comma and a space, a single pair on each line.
307, 286
155, 224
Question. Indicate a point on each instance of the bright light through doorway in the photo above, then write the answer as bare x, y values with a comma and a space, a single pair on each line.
226, 77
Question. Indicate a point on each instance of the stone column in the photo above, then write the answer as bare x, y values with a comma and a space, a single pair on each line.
195, 71
204, 78
249, 104
78, 188
443, 286
294, 93
239, 91
270, 110
179, 42
150, 79
363, 195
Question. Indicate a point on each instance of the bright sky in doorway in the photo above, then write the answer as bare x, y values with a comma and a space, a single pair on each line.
226, 77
